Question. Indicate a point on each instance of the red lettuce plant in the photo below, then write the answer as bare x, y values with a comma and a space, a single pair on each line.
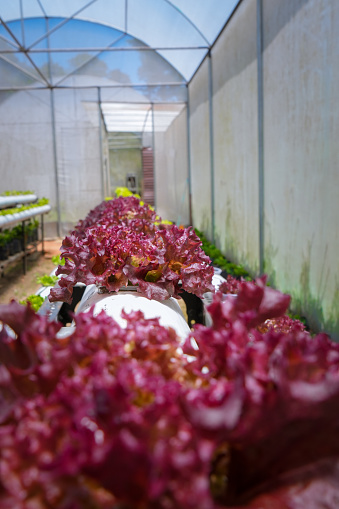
94, 420
283, 323
271, 399
231, 285
111, 417
122, 210
126, 211
111, 255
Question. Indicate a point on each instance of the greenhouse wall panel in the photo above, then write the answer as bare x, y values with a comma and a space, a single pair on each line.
27, 162
171, 167
252, 161
301, 160
78, 154
235, 136
200, 151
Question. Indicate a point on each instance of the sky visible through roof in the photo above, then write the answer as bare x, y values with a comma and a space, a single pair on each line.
150, 47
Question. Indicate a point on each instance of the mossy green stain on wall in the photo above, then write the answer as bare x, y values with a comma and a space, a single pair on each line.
229, 238
311, 306
269, 267
304, 301
205, 225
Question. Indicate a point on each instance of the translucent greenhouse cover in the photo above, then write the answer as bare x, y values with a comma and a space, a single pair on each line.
53, 43
72, 71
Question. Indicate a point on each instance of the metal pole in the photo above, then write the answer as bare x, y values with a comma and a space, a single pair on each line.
103, 184
57, 189
154, 167
24, 258
210, 102
22, 24
189, 178
42, 235
261, 195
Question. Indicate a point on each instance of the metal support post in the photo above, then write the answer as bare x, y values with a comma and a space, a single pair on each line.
42, 235
24, 258
189, 160
261, 196
210, 101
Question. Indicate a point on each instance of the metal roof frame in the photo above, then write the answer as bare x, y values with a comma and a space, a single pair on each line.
22, 50
13, 46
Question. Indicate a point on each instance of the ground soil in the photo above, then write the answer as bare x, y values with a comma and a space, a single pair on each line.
14, 284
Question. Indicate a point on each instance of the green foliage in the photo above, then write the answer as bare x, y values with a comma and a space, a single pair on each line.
16, 193
16, 232
123, 191
42, 201
219, 260
297, 316
35, 301
5, 237
57, 260
46, 280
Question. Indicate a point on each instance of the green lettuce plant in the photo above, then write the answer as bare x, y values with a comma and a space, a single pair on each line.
46, 280
16, 193
219, 260
35, 301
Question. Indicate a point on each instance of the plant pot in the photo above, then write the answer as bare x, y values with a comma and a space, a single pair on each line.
16, 246
4, 252
11, 248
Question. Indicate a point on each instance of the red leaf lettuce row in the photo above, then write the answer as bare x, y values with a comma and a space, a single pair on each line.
95, 420
122, 210
271, 399
160, 262
111, 417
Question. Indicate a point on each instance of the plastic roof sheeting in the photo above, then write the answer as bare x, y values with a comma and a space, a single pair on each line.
68, 43
138, 118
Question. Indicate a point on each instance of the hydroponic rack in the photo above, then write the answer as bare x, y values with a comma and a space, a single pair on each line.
12, 219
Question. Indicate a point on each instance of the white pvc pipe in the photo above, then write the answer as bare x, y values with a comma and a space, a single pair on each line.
168, 311
10, 219
8, 201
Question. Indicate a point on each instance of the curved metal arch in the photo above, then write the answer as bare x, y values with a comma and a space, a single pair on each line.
87, 4
189, 21
62, 23
97, 51
123, 28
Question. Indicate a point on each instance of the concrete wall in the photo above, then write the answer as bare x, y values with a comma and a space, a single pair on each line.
299, 237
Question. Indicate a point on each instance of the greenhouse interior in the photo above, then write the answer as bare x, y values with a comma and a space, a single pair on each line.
182, 155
